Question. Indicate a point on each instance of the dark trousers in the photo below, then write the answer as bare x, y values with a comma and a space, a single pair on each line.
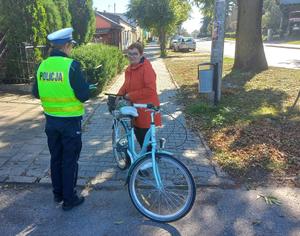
140, 134
64, 142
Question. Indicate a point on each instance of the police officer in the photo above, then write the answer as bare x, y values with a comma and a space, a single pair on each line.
62, 90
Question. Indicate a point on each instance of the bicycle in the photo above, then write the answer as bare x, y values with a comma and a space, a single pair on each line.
160, 186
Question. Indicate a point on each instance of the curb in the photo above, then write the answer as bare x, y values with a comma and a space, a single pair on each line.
219, 172
207, 149
271, 45
281, 46
19, 88
109, 186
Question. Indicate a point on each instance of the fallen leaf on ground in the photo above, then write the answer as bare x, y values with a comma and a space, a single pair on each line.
269, 199
119, 222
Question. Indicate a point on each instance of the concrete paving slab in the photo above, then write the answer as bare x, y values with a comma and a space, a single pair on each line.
25, 152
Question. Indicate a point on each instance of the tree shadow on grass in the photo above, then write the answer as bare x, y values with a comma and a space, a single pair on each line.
250, 127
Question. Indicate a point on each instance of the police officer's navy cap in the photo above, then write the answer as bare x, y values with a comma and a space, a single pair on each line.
61, 36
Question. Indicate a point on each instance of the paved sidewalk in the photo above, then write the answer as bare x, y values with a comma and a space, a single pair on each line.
24, 156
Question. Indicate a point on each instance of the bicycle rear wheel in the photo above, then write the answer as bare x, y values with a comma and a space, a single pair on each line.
120, 145
170, 203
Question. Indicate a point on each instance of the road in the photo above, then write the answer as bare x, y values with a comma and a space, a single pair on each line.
30, 210
276, 56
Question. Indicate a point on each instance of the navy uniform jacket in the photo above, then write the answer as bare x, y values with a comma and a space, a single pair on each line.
78, 84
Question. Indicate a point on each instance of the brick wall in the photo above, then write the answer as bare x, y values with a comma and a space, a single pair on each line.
102, 23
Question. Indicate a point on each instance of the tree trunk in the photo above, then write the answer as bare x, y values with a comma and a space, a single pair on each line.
162, 42
249, 50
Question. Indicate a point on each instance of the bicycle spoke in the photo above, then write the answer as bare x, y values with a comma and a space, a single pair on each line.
178, 199
170, 202
145, 181
173, 199
174, 193
153, 206
167, 203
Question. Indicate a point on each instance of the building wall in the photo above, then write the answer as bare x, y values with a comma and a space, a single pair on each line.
110, 37
127, 36
120, 38
102, 23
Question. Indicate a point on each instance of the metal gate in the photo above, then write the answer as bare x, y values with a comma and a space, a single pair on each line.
27, 62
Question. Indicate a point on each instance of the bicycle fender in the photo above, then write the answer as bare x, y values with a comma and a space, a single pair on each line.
141, 159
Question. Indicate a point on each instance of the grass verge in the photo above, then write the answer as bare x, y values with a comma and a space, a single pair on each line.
294, 42
252, 132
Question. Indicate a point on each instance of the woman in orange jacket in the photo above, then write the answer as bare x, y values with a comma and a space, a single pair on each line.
140, 87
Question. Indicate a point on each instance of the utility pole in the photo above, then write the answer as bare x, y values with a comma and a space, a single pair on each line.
217, 47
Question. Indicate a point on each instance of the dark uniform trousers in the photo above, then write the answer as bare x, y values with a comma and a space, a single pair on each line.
64, 142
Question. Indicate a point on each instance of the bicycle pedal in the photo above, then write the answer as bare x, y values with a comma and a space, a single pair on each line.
162, 143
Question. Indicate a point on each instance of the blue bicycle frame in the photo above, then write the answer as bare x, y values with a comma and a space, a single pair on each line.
150, 138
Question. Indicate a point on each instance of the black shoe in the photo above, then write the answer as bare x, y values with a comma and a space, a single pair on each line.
76, 202
58, 198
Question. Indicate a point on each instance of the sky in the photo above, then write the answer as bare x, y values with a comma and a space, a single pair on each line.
121, 7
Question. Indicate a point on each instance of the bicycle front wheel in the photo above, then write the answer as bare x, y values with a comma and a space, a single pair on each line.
170, 202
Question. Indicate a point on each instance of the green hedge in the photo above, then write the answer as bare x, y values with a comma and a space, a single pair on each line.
92, 55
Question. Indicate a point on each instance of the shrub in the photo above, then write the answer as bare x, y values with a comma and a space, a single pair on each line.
92, 55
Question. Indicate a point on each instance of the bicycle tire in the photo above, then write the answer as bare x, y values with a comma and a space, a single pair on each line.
120, 156
147, 206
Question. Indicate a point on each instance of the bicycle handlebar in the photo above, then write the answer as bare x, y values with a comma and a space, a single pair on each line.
113, 94
137, 105
147, 105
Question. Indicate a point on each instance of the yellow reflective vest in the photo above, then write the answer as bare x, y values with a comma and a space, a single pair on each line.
55, 91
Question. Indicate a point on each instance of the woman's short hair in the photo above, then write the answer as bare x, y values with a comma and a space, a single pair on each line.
138, 46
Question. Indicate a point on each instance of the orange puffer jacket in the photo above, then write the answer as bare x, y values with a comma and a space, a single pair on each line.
140, 86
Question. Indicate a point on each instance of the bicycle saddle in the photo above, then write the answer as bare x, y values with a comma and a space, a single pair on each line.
129, 111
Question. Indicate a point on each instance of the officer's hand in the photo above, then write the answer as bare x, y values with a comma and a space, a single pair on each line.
92, 86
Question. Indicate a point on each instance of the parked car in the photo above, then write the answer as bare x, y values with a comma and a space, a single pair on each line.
294, 21
173, 42
185, 44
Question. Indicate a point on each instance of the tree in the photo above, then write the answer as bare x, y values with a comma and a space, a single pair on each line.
182, 31
83, 20
249, 50
207, 8
53, 16
1, 15
272, 16
161, 16
206, 26
25, 21
63, 8
35, 12
195, 33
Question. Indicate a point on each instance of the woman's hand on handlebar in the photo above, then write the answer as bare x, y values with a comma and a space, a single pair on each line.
120, 97
126, 97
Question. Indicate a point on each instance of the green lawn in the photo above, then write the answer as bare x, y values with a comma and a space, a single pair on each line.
251, 131
294, 42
